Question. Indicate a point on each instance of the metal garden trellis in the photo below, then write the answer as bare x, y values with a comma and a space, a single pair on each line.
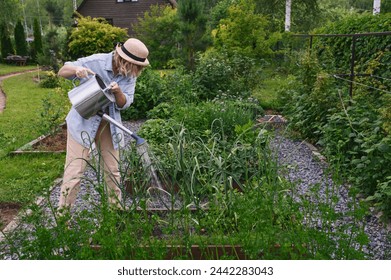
354, 37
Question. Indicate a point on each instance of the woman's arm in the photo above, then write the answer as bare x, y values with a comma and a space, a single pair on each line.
69, 71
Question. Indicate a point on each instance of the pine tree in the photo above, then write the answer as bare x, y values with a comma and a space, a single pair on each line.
5, 41
192, 29
20, 40
38, 48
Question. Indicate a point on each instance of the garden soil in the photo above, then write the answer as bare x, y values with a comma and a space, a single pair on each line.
8, 210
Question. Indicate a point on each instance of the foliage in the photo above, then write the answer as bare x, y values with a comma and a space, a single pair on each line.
148, 93
10, 12
52, 50
368, 48
244, 32
158, 30
20, 40
305, 14
94, 35
5, 43
233, 74
353, 131
192, 27
37, 43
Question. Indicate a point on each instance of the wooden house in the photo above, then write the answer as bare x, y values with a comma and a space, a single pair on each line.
120, 13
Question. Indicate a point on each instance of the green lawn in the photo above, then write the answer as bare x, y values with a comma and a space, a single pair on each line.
267, 91
20, 119
22, 177
7, 69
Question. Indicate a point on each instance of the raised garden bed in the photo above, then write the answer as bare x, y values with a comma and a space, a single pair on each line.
51, 143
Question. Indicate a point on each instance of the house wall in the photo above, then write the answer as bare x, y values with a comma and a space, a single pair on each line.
120, 14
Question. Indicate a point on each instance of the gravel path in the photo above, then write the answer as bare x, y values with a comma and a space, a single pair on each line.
303, 167
308, 170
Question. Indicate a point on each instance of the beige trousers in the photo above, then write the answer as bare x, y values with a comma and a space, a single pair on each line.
75, 164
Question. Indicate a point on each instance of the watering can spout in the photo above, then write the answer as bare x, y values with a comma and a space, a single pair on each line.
139, 140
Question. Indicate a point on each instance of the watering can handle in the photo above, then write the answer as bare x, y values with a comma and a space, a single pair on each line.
139, 140
89, 73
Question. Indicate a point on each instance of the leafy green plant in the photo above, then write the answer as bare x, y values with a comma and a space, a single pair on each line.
54, 105
149, 92
93, 36
352, 128
219, 72
49, 80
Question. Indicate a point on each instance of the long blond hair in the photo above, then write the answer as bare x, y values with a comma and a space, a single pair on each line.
126, 68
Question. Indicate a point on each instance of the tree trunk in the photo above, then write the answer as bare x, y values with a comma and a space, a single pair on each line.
288, 5
376, 6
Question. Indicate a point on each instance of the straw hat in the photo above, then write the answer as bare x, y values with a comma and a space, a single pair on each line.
133, 50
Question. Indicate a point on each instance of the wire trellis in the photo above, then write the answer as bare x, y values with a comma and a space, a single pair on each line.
361, 84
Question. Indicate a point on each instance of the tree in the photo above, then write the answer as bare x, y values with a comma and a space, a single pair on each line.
288, 6
192, 27
245, 31
306, 13
9, 11
37, 45
20, 40
158, 30
55, 12
376, 6
5, 41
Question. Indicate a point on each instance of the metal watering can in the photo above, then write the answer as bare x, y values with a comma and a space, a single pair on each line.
91, 97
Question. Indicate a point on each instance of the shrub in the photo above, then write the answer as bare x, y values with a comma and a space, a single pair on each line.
352, 130
245, 32
219, 72
94, 35
50, 80
149, 92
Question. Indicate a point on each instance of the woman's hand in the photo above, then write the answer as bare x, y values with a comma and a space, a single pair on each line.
82, 72
120, 98
115, 89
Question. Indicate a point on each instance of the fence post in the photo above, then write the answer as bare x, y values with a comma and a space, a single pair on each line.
352, 63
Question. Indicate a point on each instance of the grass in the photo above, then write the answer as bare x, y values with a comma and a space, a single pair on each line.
8, 69
20, 119
23, 176
267, 90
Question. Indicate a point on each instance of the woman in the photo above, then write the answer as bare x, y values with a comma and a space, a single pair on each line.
119, 69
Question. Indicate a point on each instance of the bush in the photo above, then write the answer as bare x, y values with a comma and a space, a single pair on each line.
368, 48
353, 131
219, 72
50, 80
94, 35
149, 92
